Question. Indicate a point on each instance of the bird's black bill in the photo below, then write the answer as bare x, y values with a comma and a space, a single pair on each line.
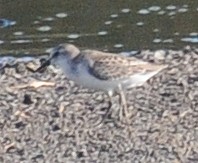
43, 66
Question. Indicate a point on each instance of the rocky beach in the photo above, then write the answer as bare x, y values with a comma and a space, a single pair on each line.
46, 118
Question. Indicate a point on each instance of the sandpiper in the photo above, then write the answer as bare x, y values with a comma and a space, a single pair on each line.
102, 71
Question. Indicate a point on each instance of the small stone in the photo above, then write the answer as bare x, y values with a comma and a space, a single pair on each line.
160, 54
31, 66
20, 68
27, 99
172, 71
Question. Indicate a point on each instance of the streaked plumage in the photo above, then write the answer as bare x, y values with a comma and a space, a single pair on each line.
108, 66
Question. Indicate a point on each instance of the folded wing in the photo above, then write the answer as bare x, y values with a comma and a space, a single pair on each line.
107, 66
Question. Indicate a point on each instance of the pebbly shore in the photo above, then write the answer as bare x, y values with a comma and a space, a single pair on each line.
46, 118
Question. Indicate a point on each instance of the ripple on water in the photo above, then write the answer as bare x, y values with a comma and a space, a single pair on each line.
156, 30
143, 12
140, 23
157, 40
20, 41
6, 23
162, 12
185, 5
171, 7
61, 15
1, 42
172, 13
48, 19
114, 15
44, 28
18, 33
176, 33
182, 10
118, 46
73, 36
154, 8
36, 22
108, 22
102, 33
45, 40
125, 10
190, 39
193, 34
168, 41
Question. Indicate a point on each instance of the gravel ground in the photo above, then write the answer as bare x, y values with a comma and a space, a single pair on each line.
58, 121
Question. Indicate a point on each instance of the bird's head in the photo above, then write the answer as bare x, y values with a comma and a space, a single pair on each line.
60, 54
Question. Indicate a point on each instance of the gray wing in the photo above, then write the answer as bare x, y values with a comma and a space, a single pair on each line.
104, 71
106, 66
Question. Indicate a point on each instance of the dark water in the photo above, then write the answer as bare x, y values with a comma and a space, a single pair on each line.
122, 25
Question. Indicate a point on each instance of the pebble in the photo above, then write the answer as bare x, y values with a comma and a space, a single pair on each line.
160, 54
64, 125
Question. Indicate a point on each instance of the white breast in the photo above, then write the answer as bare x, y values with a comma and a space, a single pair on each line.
80, 75
85, 79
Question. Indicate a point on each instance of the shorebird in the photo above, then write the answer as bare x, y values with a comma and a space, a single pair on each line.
102, 71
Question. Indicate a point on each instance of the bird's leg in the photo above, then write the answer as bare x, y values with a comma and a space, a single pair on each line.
123, 103
110, 94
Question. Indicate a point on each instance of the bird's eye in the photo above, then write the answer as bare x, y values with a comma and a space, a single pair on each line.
56, 54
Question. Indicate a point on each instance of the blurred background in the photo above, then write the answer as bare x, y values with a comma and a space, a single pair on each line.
32, 27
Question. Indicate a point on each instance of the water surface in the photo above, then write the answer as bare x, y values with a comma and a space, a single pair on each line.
115, 26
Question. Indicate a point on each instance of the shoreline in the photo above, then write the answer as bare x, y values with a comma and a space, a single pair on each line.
160, 54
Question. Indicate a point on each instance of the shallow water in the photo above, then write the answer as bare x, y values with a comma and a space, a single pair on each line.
120, 26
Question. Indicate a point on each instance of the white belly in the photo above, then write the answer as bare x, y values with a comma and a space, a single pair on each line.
84, 78
88, 81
